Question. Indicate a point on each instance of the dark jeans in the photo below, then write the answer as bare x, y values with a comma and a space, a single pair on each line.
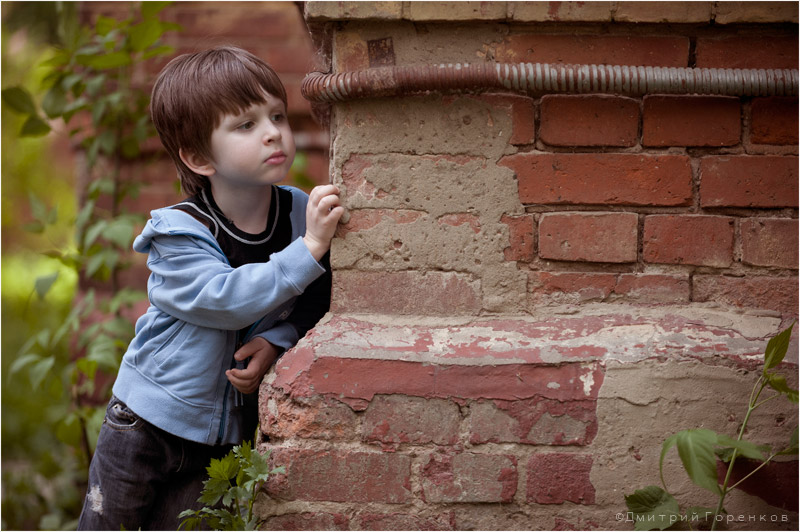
142, 477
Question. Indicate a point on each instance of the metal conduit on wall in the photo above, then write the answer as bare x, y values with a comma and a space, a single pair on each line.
541, 78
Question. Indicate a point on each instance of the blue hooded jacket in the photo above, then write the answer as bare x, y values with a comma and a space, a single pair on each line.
173, 373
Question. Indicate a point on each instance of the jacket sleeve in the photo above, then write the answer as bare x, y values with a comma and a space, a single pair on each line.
193, 284
311, 306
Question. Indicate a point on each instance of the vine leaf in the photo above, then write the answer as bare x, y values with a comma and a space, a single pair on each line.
776, 349
653, 508
696, 450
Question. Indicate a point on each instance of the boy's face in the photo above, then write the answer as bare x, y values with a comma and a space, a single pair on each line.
253, 148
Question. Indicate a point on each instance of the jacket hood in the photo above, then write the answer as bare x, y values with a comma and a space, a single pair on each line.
170, 221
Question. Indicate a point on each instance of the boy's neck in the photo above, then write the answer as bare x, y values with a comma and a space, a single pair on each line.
246, 208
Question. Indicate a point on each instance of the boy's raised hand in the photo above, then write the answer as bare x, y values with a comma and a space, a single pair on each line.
262, 354
322, 215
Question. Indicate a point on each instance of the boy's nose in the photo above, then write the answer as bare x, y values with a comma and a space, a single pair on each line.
271, 133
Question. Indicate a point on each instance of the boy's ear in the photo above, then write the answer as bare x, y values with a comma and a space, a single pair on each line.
197, 163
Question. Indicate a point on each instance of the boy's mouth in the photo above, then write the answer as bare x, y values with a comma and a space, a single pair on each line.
276, 158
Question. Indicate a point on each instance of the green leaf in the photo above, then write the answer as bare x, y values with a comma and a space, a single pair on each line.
696, 450
43, 284
224, 468
39, 370
776, 349
103, 350
158, 50
54, 101
34, 127
151, 9
87, 367
20, 100
793, 445
106, 61
104, 25
22, 362
653, 508
778, 383
743, 447
145, 34
119, 231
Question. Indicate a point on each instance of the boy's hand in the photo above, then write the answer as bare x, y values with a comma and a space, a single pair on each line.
263, 355
322, 215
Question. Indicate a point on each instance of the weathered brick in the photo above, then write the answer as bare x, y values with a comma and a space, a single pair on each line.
449, 11
353, 10
674, 12
589, 121
577, 287
404, 521
556, 478
775, 293
431, 293
469, 477
593, 237
560, 11
691, 121
671, 51
319, 418
752, 12
688, 239
602, 178
520, 229
522, 115
365, 219
747, 52
341, 476
770, 242
307, 521
534, 421
774, 121
748, 181
404, 419
652, 288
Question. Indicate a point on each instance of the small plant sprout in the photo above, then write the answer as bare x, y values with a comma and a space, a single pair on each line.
654, 508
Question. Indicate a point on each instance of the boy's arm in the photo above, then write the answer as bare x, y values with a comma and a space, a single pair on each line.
192, 284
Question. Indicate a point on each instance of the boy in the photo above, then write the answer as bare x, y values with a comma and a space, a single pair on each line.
238, 273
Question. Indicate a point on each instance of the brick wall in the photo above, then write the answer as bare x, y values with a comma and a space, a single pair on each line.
531, 291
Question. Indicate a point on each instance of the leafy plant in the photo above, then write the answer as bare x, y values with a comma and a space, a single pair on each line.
90, 85
655, 508
231, 490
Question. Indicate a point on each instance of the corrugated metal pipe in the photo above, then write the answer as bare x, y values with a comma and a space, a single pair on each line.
540, 78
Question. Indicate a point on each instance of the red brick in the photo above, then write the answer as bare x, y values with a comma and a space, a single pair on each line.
461, 218
520, 381
520, 229
775, 293
687, 239
770, 242
652, 288
534, 421
307, 521
774, 121
403, 521
589, 121
691, 121
403, 419
602, 179
594, 49
365, 219
469, 477
556, 478
579, 287
362, 379
341, 476
748, 181
316, 417
522, 115
407, 292
747, 52
593, 237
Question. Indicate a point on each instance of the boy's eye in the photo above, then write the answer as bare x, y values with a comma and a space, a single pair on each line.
247, 125
277, 117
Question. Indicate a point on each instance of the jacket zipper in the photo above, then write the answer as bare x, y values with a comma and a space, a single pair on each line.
224, 418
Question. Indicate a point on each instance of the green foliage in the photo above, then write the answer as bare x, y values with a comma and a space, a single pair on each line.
654, 508
231, 490
72, 340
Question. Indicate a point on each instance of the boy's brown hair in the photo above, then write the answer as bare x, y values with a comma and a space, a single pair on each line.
194, 91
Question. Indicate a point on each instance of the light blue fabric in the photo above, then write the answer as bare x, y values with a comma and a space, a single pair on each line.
173, 373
